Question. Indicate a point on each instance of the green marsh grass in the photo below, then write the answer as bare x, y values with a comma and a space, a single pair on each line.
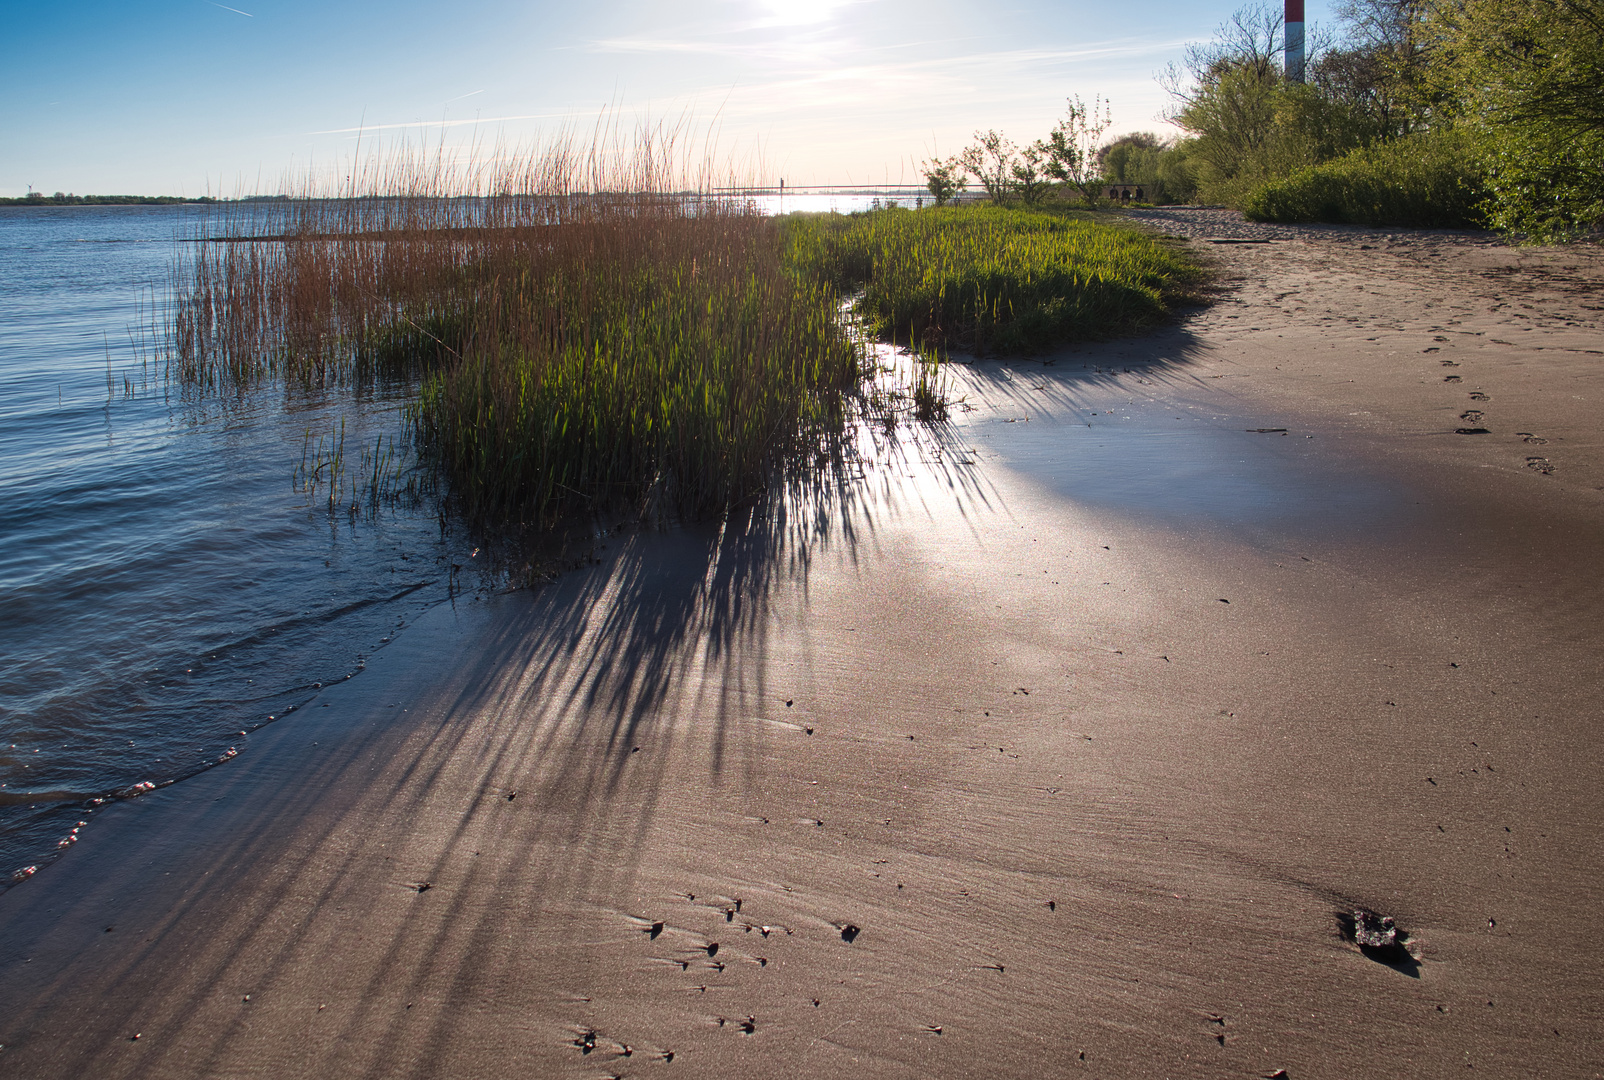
992, 279
929, 390
675, 361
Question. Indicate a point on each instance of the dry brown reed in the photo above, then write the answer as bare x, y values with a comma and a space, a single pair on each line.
584, 323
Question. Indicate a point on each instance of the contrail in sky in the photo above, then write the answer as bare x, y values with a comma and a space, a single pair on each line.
235, 10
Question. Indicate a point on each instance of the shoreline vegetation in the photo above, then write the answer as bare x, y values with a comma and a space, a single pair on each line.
1421, 113
579, 336
1484, 114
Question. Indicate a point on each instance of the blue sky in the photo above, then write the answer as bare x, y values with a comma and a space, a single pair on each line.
193, 96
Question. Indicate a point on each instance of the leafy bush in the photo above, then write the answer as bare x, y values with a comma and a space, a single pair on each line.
1545, 186
1428, 181
1521, 80
1527, 76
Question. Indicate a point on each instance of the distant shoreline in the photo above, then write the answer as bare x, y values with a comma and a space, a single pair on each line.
60, 199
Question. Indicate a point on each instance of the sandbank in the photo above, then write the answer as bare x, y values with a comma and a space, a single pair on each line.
1052, 742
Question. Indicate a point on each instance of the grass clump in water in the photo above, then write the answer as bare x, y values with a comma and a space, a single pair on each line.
668, 362
994, 279
580, 330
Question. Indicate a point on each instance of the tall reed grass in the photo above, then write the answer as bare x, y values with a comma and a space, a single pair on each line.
994, 279
668, 358
583, 324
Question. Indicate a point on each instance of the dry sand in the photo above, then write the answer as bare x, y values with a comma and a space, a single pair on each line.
1083, 719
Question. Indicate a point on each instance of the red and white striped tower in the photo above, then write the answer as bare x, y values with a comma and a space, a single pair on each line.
1294, 43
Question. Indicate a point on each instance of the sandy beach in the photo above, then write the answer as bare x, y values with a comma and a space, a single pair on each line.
1053, 742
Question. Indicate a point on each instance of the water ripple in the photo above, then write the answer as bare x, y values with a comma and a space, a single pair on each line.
164, 588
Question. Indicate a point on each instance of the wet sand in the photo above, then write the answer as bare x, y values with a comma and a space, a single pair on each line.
1051, 743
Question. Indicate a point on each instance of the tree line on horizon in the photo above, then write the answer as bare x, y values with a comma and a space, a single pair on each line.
63, 198
1467, 113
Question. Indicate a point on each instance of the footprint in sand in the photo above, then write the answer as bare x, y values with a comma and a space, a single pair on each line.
1540, 464
1477, 395
1474, 416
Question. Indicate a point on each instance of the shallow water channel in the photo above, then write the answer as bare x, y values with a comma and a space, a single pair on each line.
1185, 462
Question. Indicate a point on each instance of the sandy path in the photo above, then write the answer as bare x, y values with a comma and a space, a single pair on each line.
1081, 719
1421, 328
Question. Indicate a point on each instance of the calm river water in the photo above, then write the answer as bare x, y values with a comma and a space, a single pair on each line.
163, 586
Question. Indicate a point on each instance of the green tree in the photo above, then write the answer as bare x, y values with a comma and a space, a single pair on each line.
1071, 148
1232, 116
1250, 38
1029, 172
945, 180
991, 160
1122, 160
1387, 56
1249, 124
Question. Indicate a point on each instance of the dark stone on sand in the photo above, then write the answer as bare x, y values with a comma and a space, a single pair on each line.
1379, 938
